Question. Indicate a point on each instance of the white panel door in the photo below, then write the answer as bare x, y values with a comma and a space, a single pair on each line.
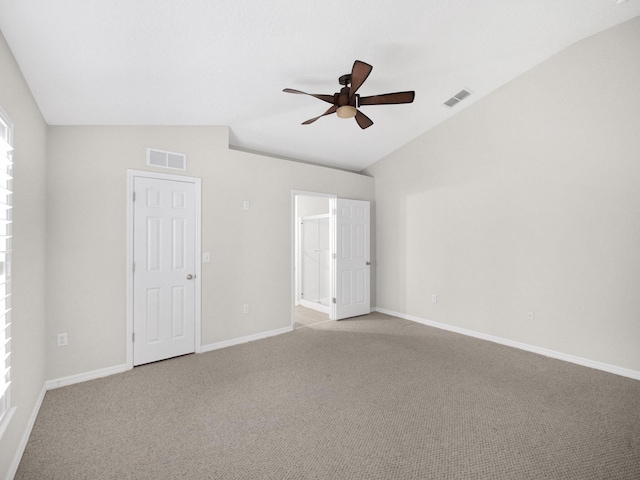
352, 274
164, 274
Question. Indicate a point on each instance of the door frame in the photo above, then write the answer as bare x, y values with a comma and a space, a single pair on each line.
131, 176
294, 233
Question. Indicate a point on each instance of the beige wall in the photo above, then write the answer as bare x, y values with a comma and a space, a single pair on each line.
528, 200
28, 315
250, 249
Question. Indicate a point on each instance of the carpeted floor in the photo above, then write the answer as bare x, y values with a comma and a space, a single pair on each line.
373, 397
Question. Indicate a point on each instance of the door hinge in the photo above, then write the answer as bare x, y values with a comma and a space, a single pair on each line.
134, 196
334, 256
133, 266
334, 300
133, 337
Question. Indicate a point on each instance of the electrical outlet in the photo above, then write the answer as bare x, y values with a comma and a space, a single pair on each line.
62, 339
530, 315
434, 298
245, 308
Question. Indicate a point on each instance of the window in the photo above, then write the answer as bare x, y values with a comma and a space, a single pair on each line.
6, 131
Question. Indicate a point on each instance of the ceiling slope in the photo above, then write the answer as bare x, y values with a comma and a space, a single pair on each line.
226, 62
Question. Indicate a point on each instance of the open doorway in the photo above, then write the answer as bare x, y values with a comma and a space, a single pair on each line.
346, 261
312, 247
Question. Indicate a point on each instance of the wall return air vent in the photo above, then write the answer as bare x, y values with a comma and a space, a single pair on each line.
458, 97
160, 158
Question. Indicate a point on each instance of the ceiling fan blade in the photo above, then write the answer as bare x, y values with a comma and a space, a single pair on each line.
363, 120
328, 112
388, 98
359, 74
324, 98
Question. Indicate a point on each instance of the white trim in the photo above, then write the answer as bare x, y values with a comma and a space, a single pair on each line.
51, 385
249, 338
585, 362
22, 445
6, 418
131, 175
84, 377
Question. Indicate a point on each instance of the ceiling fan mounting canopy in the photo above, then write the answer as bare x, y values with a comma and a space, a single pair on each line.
345, 79
346, 102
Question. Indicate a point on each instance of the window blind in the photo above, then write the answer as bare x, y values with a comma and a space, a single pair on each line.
5, 262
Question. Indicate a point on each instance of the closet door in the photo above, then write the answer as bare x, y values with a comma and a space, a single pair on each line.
164, 277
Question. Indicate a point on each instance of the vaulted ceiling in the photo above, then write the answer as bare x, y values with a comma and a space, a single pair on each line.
226, 62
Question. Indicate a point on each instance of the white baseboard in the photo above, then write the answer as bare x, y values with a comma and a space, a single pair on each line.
248, 338
585, 362
17, 456
105, 372
83, 377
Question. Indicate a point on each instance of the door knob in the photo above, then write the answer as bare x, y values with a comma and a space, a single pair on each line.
189, 277
368, 263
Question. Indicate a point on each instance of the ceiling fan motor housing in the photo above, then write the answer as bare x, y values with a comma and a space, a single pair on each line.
345, 108
342, 99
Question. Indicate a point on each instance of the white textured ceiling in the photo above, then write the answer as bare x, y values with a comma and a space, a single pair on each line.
225, 62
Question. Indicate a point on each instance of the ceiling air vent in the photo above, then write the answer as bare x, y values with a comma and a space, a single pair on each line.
160, 158
457, 98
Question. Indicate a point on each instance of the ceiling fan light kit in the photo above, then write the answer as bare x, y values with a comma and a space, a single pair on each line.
346, 102
348, 111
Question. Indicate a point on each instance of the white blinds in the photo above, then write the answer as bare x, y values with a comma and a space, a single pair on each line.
5, 264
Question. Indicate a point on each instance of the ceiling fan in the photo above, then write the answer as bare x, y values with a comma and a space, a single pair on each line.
346, 102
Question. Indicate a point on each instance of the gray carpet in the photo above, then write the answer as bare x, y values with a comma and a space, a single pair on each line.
373, 397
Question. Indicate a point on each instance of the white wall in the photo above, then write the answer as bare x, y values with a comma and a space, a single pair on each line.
250, 249
528, 200
28, 314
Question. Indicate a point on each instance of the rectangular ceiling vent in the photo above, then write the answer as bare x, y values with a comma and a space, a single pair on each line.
458, 97
160, 158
